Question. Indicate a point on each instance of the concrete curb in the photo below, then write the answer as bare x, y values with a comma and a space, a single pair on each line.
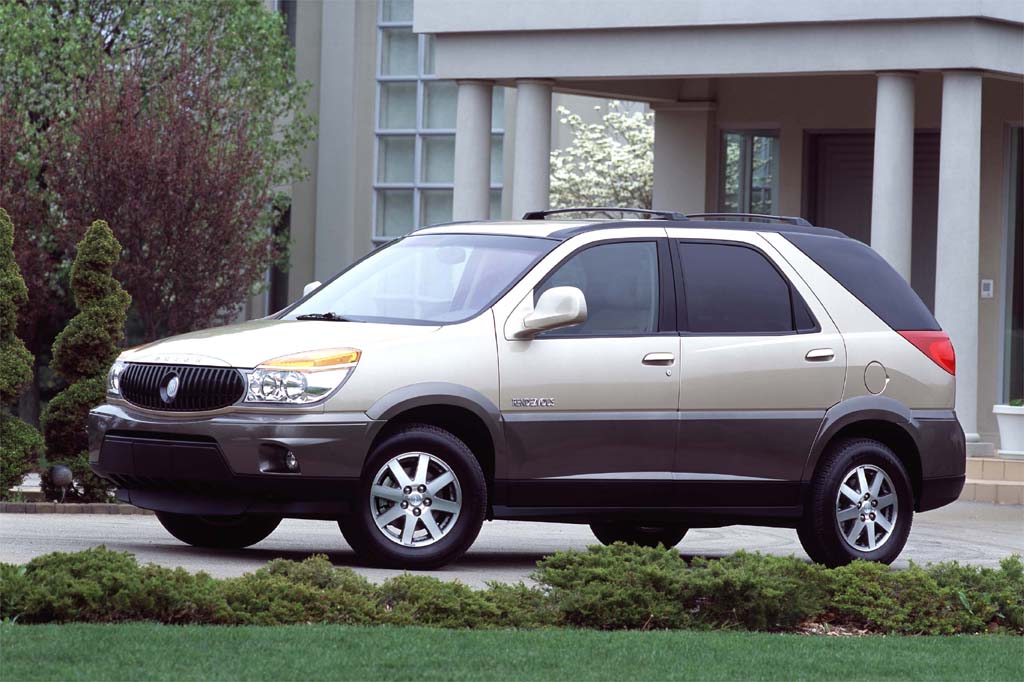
70, 508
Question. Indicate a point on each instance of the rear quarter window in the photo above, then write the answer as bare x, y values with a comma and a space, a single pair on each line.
866, 275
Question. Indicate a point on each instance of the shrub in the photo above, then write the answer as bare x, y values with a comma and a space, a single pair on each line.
82, 355
604, 588
20, 444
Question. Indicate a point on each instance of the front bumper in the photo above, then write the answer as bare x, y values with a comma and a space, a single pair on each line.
211, 465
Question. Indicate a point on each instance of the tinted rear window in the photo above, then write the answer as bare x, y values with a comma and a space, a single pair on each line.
734, 289
866, 275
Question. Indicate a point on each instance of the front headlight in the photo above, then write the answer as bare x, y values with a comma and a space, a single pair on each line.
302, 378
114, 379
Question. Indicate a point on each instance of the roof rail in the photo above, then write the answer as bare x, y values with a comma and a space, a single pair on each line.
657, 215
792, 220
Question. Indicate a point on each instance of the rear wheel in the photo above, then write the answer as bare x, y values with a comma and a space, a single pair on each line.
421, 500
637, 534
222, 532
861, 505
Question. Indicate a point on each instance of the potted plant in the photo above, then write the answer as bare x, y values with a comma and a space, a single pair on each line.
1010, 418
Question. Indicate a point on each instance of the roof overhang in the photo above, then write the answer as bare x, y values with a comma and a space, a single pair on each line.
530, 39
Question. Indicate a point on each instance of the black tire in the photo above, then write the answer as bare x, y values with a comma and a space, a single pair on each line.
820, 530
636, 534
221, 532
373, 545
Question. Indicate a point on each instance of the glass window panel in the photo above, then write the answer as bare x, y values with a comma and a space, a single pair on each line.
438, 158
763, 178
497, 163
397, 10
435, 206
732, 178
398, 105
428, 55
495, 204
397, 158
399, 52
394, 212
498, 109
440, 99
733, 289
624, 304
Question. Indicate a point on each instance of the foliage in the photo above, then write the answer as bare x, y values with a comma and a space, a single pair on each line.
58, 58
20, 444
181, 185
605, 588
610, 163
82, 355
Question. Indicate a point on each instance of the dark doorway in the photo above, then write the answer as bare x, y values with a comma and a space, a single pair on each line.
837, 193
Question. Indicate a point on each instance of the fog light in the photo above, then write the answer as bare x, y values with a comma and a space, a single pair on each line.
291, 461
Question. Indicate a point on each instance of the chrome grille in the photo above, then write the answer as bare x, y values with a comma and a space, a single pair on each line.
198, 388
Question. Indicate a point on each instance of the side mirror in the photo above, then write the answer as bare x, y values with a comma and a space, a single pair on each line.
310, 288
556, 308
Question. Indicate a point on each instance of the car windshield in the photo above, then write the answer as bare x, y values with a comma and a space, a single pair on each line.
426, 279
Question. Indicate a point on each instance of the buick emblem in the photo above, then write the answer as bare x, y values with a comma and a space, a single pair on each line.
169, 389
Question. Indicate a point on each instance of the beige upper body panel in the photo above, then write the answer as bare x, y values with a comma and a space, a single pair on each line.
577, 373
761, 371
879, 361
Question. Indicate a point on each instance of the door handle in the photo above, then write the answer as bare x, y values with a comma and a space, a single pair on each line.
659, 359
820, 355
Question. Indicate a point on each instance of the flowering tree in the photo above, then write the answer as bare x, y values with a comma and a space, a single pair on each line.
610, 163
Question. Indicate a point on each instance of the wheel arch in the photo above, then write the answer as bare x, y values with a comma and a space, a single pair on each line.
466, 413
883, 419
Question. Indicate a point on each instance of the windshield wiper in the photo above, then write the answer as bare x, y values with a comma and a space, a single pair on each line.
328, 316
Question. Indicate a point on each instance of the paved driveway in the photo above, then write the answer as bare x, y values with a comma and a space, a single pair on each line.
969, 532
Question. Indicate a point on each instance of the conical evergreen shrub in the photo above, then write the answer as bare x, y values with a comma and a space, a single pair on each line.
20, 444
82, 355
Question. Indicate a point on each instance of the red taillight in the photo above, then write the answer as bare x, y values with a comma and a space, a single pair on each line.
936, 345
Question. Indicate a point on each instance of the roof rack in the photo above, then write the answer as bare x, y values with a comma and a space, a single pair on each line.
657, 215
792, 220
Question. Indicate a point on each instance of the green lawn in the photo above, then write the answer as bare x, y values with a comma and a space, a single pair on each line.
143, 651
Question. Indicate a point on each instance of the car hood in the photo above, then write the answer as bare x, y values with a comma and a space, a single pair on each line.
248, 344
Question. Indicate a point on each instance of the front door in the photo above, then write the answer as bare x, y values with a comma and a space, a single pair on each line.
590, 411
761, 362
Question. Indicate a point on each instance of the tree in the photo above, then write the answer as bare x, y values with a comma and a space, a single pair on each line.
20, 444
82, 356
52, 49
610, 163
176, 169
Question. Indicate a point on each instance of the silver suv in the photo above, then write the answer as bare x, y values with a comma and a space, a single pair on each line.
643, 376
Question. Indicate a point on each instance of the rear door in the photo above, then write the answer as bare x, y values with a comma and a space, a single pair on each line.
760, 363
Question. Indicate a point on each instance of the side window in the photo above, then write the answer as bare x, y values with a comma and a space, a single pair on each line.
732, 289
620, 283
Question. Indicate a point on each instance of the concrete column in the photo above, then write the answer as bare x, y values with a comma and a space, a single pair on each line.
681, 156
471, 200
958, 237
531, 181
892, 191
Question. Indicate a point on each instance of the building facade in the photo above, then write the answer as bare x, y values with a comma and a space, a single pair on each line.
898, 123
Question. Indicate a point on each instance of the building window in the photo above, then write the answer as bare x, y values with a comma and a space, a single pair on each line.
415, 130
750, 172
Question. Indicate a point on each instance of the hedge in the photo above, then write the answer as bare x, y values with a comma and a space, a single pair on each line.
616, 587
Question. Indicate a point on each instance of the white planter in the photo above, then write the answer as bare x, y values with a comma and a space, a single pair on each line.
1011, 430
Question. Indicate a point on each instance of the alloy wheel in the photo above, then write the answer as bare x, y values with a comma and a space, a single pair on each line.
866, 508
415, 499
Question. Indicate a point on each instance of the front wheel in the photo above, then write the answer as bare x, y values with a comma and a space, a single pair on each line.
421, 500
861, 505
221, 532
637, 534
